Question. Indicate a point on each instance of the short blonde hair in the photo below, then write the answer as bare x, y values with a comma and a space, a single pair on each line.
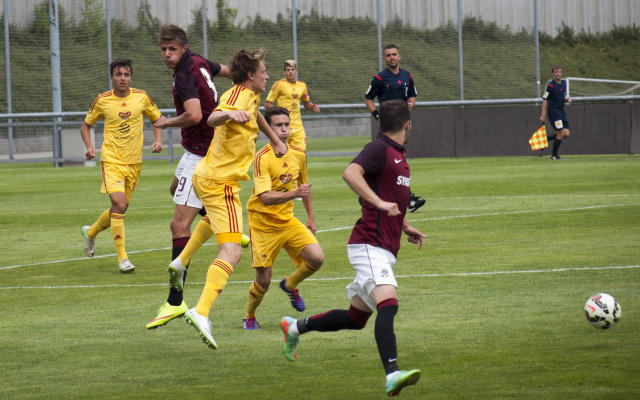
290, 63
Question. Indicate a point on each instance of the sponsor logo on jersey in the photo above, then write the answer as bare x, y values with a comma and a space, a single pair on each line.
286, 178
384, 273
285, 165
403, 181
123, 105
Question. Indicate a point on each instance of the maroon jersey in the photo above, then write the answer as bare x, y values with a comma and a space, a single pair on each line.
193, 79
386, 171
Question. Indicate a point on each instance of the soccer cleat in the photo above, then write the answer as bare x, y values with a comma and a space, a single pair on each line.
244, 242
294, 296
400, 380
202, 325
250, 324
555, 157
166, 313
415, 203
89, 244
125, 266
290, 343
176, 274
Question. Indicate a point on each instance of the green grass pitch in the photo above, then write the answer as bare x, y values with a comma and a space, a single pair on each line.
490, 308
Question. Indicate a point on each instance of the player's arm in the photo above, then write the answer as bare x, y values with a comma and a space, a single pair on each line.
372, 92
279, 148
308, 105
272, 197
415, 236
543, 114
411, 101
156, 146
268, 104
219, 117
354, 176
192, 116
224, 71
311, 220
85, 132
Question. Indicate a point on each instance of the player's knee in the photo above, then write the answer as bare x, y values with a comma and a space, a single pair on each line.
178, 227
358, 317
315, 258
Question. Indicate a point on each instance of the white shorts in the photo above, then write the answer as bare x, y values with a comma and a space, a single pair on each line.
184, 194
374, 267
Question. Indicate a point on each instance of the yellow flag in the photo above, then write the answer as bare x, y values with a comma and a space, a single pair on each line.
539, 139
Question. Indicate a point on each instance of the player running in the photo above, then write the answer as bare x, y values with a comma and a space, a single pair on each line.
123, 110
272, 225
380, 176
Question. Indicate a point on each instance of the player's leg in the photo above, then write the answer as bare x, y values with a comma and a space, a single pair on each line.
257, 290
385, 297
307, 255
104, 220
222, 202
355, 318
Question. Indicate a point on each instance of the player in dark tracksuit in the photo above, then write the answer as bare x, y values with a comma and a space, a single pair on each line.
553, 100
390, 84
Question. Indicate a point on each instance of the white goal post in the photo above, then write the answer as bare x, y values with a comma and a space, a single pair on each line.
591, 87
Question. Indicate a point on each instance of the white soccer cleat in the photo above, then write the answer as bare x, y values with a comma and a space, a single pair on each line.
125, 266
176, 274
202, 324
89, 244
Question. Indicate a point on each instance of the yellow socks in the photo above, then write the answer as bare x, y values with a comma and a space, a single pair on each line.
217, 277
200, 236
117, 231
303, 271
103, 222
256, 294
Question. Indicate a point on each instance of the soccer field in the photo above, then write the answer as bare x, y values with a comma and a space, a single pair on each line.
490, 308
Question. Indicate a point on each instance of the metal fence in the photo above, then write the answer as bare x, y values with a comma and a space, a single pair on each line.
57, 64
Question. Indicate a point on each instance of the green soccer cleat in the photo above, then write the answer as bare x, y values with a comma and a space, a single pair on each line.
176, 274
202, 324
89, 244
401, 379
166, 313
290, 343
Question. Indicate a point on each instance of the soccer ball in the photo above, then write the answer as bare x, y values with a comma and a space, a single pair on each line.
602, 311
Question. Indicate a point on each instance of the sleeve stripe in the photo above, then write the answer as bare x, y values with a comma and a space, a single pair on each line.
256, 164
234, 95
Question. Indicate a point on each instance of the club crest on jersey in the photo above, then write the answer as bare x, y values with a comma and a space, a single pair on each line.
125, 114
403, 181
286, 178
294, 95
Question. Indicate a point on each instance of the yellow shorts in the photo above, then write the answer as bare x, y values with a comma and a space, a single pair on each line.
120, 178
298, 139
222, 202
269, 235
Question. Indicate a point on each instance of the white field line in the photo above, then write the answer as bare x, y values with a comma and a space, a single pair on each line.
342, 228
459, 274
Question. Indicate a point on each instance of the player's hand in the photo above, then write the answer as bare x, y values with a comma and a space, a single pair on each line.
161, 122
316, 107
390, 208
241, 117
568, 100
279, 148
414, 235
311, 225
304, 190
542, 119
91, 153
156, 147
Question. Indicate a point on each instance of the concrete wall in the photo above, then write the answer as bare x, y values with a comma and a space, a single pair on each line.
505, 131
587, 15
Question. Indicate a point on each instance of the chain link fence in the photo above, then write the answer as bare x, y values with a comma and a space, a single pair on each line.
463, 55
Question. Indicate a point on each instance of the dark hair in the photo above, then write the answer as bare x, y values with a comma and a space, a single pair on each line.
171, 32
393, 115
391, 46
555, 67
243, 62
120, 62
270, 112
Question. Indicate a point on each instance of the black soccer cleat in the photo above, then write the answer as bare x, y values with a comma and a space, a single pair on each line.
415, 203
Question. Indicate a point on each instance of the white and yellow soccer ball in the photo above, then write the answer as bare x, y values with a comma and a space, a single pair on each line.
602, 311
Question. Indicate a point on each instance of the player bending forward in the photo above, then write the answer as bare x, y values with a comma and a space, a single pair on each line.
272, 224
380, 176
